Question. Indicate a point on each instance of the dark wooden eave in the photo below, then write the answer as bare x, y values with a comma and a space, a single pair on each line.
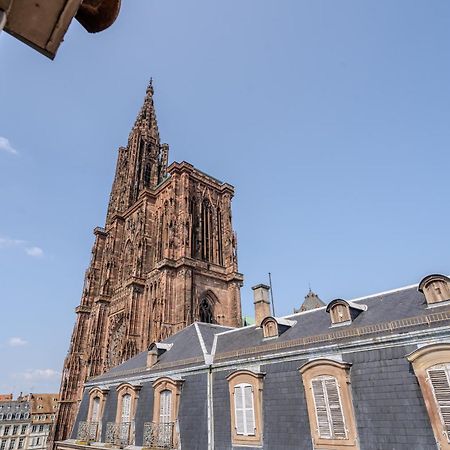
97, 15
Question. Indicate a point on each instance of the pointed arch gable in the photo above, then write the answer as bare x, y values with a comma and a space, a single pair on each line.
206, 307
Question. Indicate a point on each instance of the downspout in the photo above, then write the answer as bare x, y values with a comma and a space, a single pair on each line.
210, 408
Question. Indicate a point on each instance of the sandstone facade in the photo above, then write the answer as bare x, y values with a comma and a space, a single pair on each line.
165, 258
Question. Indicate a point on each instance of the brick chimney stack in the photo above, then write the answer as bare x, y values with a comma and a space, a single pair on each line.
261, 302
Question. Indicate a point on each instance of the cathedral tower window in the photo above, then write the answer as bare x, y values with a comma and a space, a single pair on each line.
206, 313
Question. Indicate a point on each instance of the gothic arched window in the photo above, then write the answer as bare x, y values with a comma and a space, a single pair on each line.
205, 311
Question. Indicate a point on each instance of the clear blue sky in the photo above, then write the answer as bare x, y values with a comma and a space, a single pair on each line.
331, 118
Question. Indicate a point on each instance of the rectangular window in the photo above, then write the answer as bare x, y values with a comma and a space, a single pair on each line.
12, 444
327, 402
95, 410
23, 430
6, 430
126, 408
15, 429
3, 445
439, 377
20, 444
41, 428
34, 429
38, 441
244, 410
165, 406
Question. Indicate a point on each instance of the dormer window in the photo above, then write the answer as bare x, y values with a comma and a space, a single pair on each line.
273, 327
343, 312
435, 288
270, 327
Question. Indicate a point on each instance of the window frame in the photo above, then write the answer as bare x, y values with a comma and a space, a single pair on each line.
255, 380
166, 384
133, 391
340, 371
436, 289
94, 393
422, 360
102, 394
270, 328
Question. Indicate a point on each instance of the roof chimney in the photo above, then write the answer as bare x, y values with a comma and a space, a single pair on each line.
152, 357
261, 302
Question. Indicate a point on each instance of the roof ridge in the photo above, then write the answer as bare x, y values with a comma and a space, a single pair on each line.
201, 340
357, 299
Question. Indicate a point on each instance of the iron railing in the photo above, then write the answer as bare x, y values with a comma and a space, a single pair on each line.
87, 431
159, 435
119, 434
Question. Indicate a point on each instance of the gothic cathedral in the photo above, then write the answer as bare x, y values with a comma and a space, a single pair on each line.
166, 258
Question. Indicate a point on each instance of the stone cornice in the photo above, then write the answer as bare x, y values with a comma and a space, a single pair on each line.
83, 309
209, 269
185, 167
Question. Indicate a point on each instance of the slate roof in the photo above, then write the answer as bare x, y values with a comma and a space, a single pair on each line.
381, 308
397, 311
14, 407
187, 349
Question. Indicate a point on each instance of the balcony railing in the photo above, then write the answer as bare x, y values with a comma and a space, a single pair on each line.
159, 435
87, 431
119, 434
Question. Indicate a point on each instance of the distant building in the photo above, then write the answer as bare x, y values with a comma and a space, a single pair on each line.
25, 423
368, 374
43, 409
6, 397
312, 301
15, 423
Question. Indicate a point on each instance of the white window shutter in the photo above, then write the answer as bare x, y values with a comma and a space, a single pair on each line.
239, 410
165, 406
126, 408
335, 409
95, 409
320, 403
249, 411
440, 381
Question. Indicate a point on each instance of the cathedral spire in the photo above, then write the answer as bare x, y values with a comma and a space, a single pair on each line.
146, 122
142, 164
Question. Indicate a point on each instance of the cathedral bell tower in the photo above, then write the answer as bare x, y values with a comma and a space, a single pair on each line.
165, 258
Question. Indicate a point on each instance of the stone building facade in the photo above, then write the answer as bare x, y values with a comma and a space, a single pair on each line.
43, 409
25, 423
368, 374
165, 258
15, 424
